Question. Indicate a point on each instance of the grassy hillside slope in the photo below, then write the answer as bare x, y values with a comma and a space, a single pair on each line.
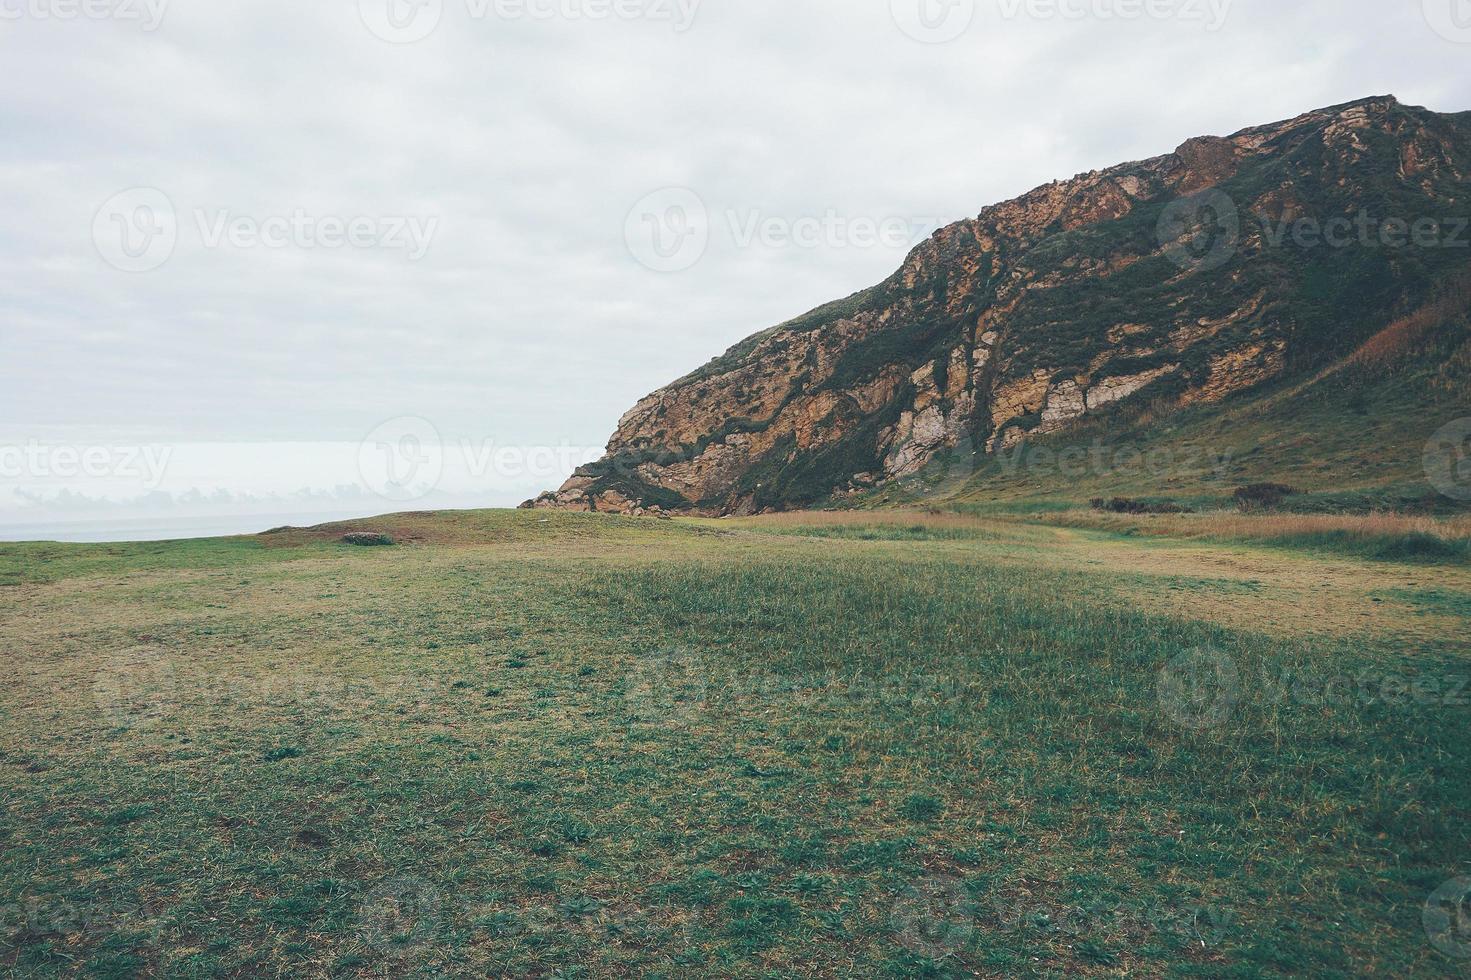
1351, 438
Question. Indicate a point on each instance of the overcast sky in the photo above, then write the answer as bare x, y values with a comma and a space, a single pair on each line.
276, 221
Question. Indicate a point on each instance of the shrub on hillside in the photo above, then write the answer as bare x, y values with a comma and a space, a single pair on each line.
1262, 495
1123, 505
364, 539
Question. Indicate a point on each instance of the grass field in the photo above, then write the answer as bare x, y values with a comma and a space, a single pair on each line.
841, 745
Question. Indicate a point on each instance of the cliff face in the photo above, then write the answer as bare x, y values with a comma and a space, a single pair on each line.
1179, 280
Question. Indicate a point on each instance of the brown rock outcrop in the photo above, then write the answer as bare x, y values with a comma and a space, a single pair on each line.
1072, 300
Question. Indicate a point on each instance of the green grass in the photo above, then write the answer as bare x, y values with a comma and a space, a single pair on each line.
1435, 601
1413, 547
881, 532
1383, 539
612, 747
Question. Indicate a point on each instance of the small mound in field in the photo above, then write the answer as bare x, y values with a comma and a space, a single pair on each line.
367, 539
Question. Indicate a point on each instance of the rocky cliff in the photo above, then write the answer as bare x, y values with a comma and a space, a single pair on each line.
1226, 265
